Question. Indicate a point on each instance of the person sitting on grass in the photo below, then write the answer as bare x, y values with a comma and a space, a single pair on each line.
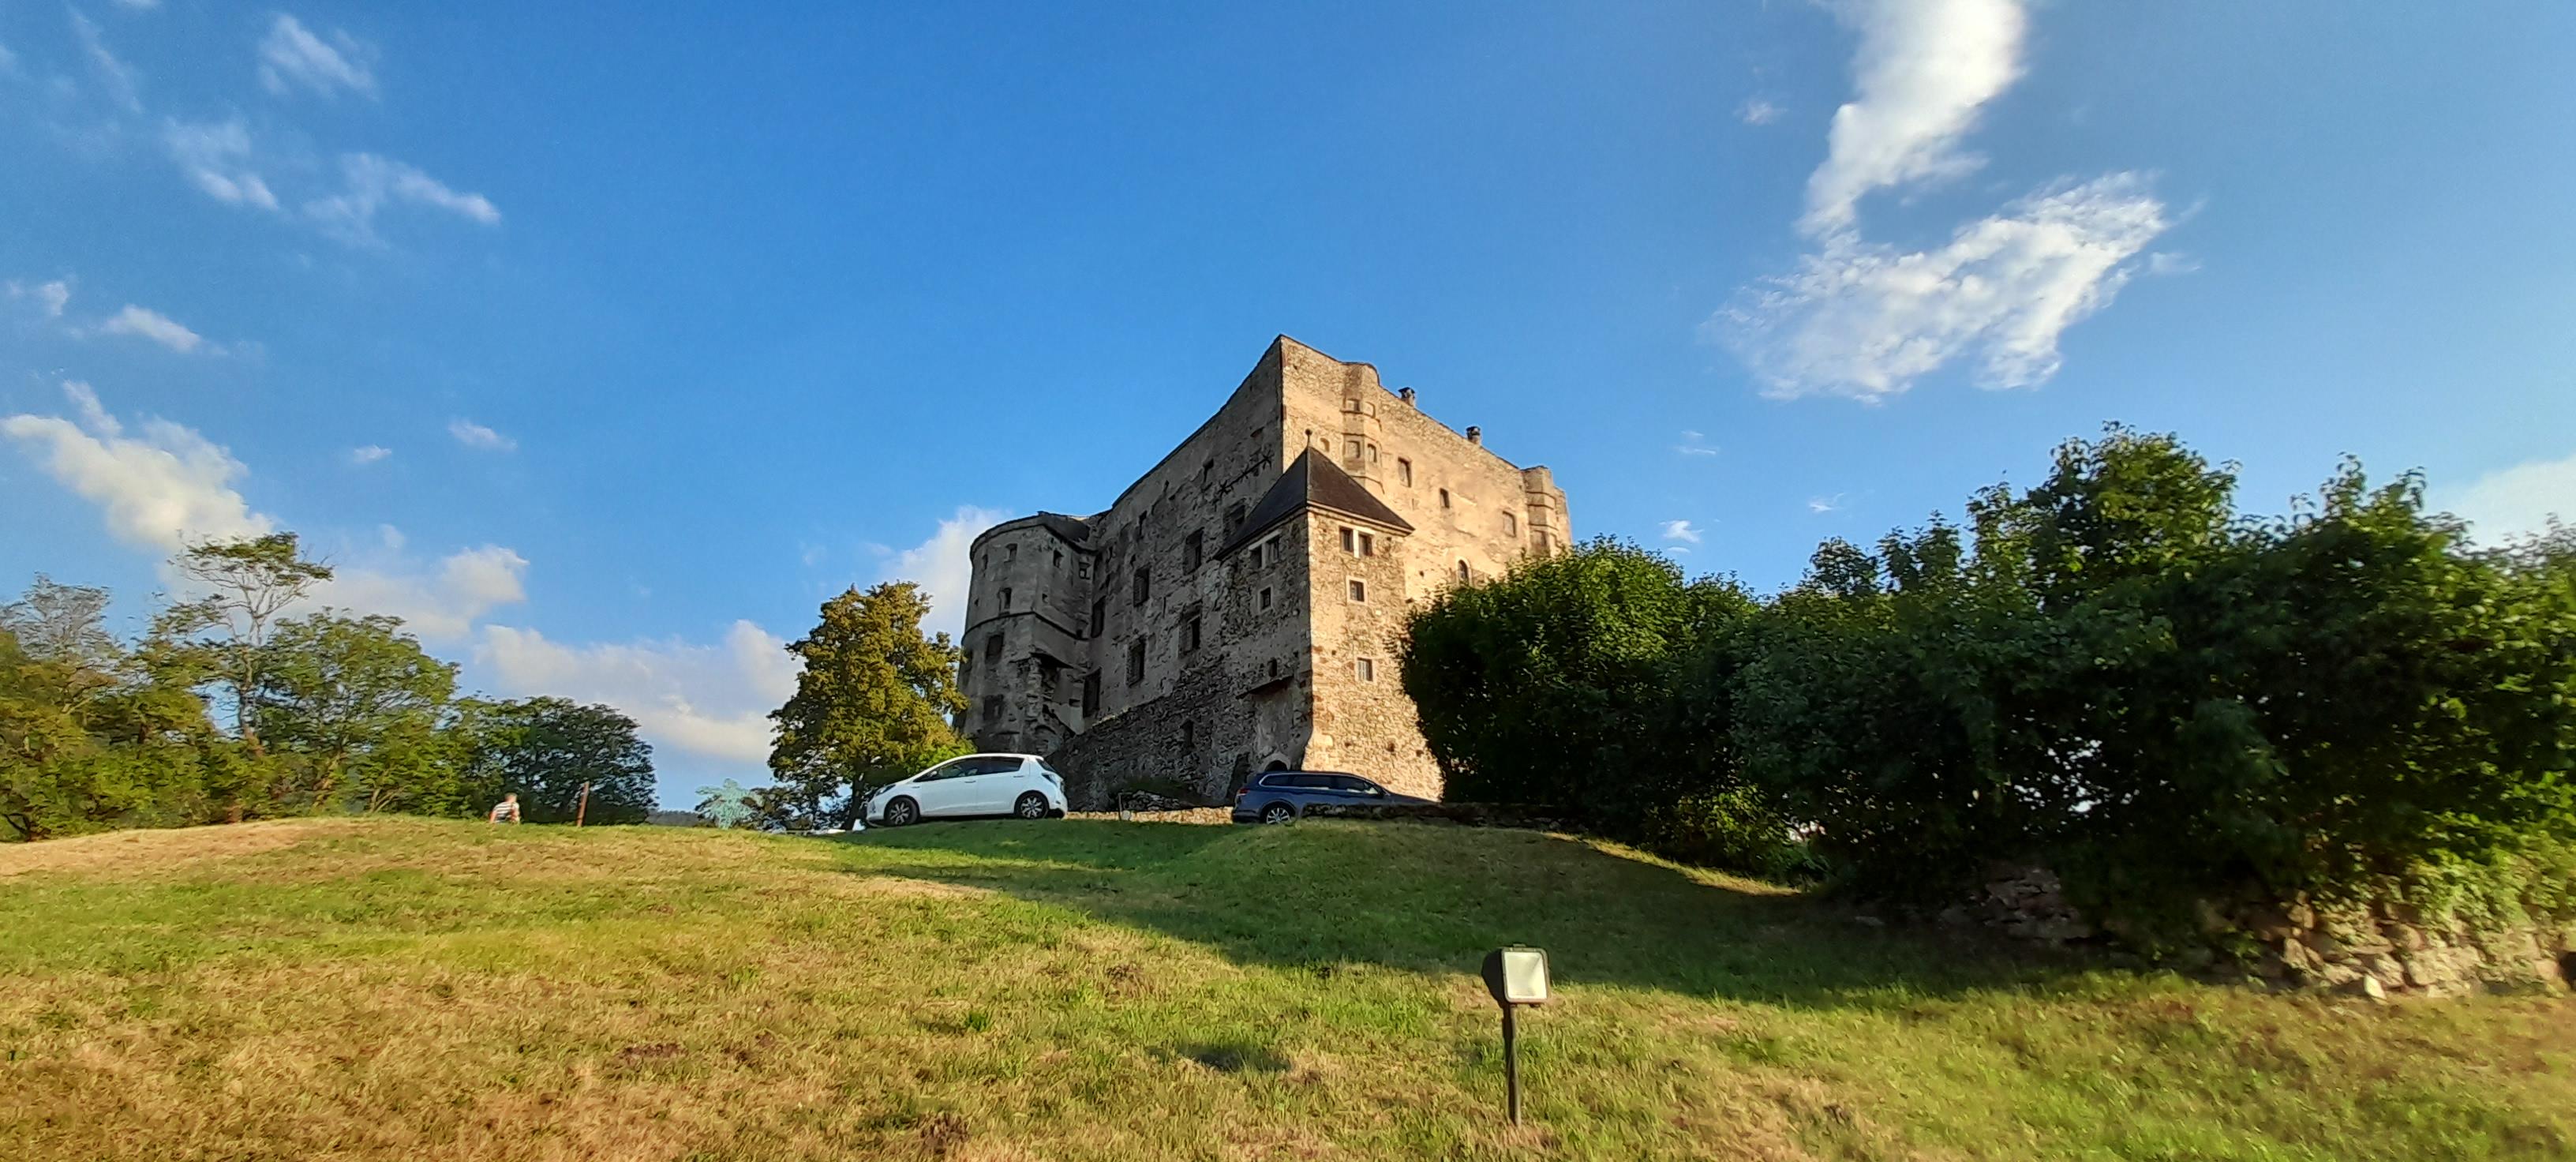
507, 810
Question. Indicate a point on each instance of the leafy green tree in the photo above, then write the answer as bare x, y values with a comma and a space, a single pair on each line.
546, 750
1551, 685
249, 582
353, 705
874, 702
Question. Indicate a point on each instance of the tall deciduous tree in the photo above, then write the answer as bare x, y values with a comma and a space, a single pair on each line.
874, 702
356, 702
249, 583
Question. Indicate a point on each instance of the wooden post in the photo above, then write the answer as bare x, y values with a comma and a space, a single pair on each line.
583, 808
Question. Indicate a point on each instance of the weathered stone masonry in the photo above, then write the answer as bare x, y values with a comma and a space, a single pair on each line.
1234, 610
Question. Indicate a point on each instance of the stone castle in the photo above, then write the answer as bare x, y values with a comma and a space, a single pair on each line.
1236, 609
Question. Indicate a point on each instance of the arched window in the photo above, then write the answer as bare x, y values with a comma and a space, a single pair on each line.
1465, 575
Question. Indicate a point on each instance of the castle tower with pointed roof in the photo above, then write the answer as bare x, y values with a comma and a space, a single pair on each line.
1236, 609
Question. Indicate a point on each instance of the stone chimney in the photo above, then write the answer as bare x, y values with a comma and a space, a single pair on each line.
1475, 435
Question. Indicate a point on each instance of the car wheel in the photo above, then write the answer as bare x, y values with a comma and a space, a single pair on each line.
1277, 813
1030, 806
901, 812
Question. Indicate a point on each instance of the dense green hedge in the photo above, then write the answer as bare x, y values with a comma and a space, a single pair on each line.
2113, 672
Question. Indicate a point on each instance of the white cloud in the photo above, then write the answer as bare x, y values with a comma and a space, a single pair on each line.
2515, 501
2166, 262
1864, 320
1691, 445
1923, 70
1825, 504
49, 297
711, 700
474, 435
143, 323
943, 565
139, 5
159, 490
1681, 530
290, 56
117, 77
439, 605
392, 537
1759, 112
366, 454
215, 156
371, 182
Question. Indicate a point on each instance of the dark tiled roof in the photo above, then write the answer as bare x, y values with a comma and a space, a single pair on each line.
1312, 480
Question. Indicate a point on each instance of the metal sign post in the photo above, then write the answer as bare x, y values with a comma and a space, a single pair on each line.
1517, 976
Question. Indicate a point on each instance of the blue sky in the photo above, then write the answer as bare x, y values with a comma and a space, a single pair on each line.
603, 351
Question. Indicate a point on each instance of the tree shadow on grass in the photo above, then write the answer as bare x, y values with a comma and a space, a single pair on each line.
1436, 898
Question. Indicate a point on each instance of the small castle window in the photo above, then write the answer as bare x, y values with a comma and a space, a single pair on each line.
993, 647
1191, 550
1206, 470
1234, 516
1006, 599
1190, 634
1136, 661
1359, 589
1372, 453
1082, 569
1274, 667
1404, 471
1091, 693
1444, 498
1143, 587
1059, 560
1350, 540
1264, 601
1189, 735
1368, 545
1511, 525
1367, 669
1010, 552
1465, 574
993, 708
1351, 451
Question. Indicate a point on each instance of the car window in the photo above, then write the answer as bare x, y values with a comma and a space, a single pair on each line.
947, 770
1356, 785
1311, 782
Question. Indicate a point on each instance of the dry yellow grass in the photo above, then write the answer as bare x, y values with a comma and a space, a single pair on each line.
1092, 990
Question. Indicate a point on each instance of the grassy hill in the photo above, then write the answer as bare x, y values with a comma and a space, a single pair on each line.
1099, 990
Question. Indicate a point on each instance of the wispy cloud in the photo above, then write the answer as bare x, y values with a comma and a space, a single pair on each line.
1681, 530
1758, 112
1825, 504
291, 56
1923, 71
2516, 501
366, 454
123, 85
48, 297
216, 158
371, 182
143, 323
474, 435
1693, 444
1864, 319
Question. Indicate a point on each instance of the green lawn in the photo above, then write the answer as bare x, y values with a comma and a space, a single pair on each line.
1101, 990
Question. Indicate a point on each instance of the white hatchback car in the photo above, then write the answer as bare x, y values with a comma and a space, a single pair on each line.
1019, 785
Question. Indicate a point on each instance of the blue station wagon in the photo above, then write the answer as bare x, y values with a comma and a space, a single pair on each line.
1279, 796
